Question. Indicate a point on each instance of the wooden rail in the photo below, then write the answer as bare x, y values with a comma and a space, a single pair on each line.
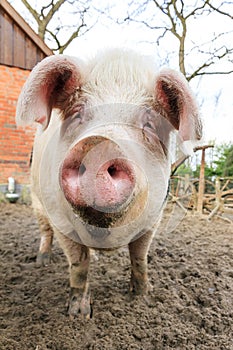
185, 192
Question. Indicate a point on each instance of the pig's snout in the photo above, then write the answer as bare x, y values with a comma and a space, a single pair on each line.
96, 174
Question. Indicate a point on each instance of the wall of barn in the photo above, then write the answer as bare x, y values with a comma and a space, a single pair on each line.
15, 144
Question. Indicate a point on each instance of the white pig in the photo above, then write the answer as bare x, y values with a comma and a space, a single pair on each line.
101, 164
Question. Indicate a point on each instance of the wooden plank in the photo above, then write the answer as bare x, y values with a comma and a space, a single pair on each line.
201, 183
31, 54
19, 47
7, 40
40, 56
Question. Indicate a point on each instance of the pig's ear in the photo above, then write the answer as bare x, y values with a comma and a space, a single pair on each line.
49, 86
174, 99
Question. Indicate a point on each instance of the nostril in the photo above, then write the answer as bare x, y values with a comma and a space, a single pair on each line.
112, 170
120, 171
81, 169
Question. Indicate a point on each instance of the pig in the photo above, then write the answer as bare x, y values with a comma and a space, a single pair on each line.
101, 156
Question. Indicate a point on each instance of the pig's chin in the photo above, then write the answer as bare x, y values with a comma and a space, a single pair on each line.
102, 216
99, 217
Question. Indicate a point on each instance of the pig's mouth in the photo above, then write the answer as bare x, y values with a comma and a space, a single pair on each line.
98, 218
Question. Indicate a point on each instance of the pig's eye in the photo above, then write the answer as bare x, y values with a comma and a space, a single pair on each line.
76, 119
77, 116
149, 120
149, 128
149, 125
71, 123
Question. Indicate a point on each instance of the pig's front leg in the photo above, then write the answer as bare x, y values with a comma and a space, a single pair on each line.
79, 258
46, 240
138, 250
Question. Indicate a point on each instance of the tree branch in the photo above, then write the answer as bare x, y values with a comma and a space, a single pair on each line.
54, 8
34, 13
182, 37
218, 10
61, 47
42, 19
195, 10
210, 62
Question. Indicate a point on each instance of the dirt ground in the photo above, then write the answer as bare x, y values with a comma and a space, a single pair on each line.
190, 306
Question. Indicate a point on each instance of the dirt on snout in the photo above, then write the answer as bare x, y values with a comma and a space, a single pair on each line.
189, 307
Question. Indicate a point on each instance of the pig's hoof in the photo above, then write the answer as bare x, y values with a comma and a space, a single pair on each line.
43, 259
80, 304
139, 287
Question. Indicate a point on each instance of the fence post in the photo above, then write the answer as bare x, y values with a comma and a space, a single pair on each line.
218, 192
201, 188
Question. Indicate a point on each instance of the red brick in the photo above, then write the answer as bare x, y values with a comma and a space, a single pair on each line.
15, 144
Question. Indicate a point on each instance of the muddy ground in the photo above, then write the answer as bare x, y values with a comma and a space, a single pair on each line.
190, 306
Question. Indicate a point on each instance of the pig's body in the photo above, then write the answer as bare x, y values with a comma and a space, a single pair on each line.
100, 168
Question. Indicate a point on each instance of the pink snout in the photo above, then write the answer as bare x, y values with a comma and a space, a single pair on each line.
96, 174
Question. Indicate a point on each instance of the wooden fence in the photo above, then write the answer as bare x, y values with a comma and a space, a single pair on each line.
216, 200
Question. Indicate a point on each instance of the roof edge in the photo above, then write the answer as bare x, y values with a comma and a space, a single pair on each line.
25, 27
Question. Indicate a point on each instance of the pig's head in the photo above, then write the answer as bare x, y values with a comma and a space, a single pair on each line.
109, 140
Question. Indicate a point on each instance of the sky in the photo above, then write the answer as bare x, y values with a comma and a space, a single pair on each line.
213, 92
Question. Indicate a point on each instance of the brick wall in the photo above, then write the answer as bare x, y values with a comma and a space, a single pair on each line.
15, 144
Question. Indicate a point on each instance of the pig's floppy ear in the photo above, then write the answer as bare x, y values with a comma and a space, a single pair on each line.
174, 99
49, 86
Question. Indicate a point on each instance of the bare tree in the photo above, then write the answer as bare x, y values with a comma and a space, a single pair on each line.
175, 17
60, 22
